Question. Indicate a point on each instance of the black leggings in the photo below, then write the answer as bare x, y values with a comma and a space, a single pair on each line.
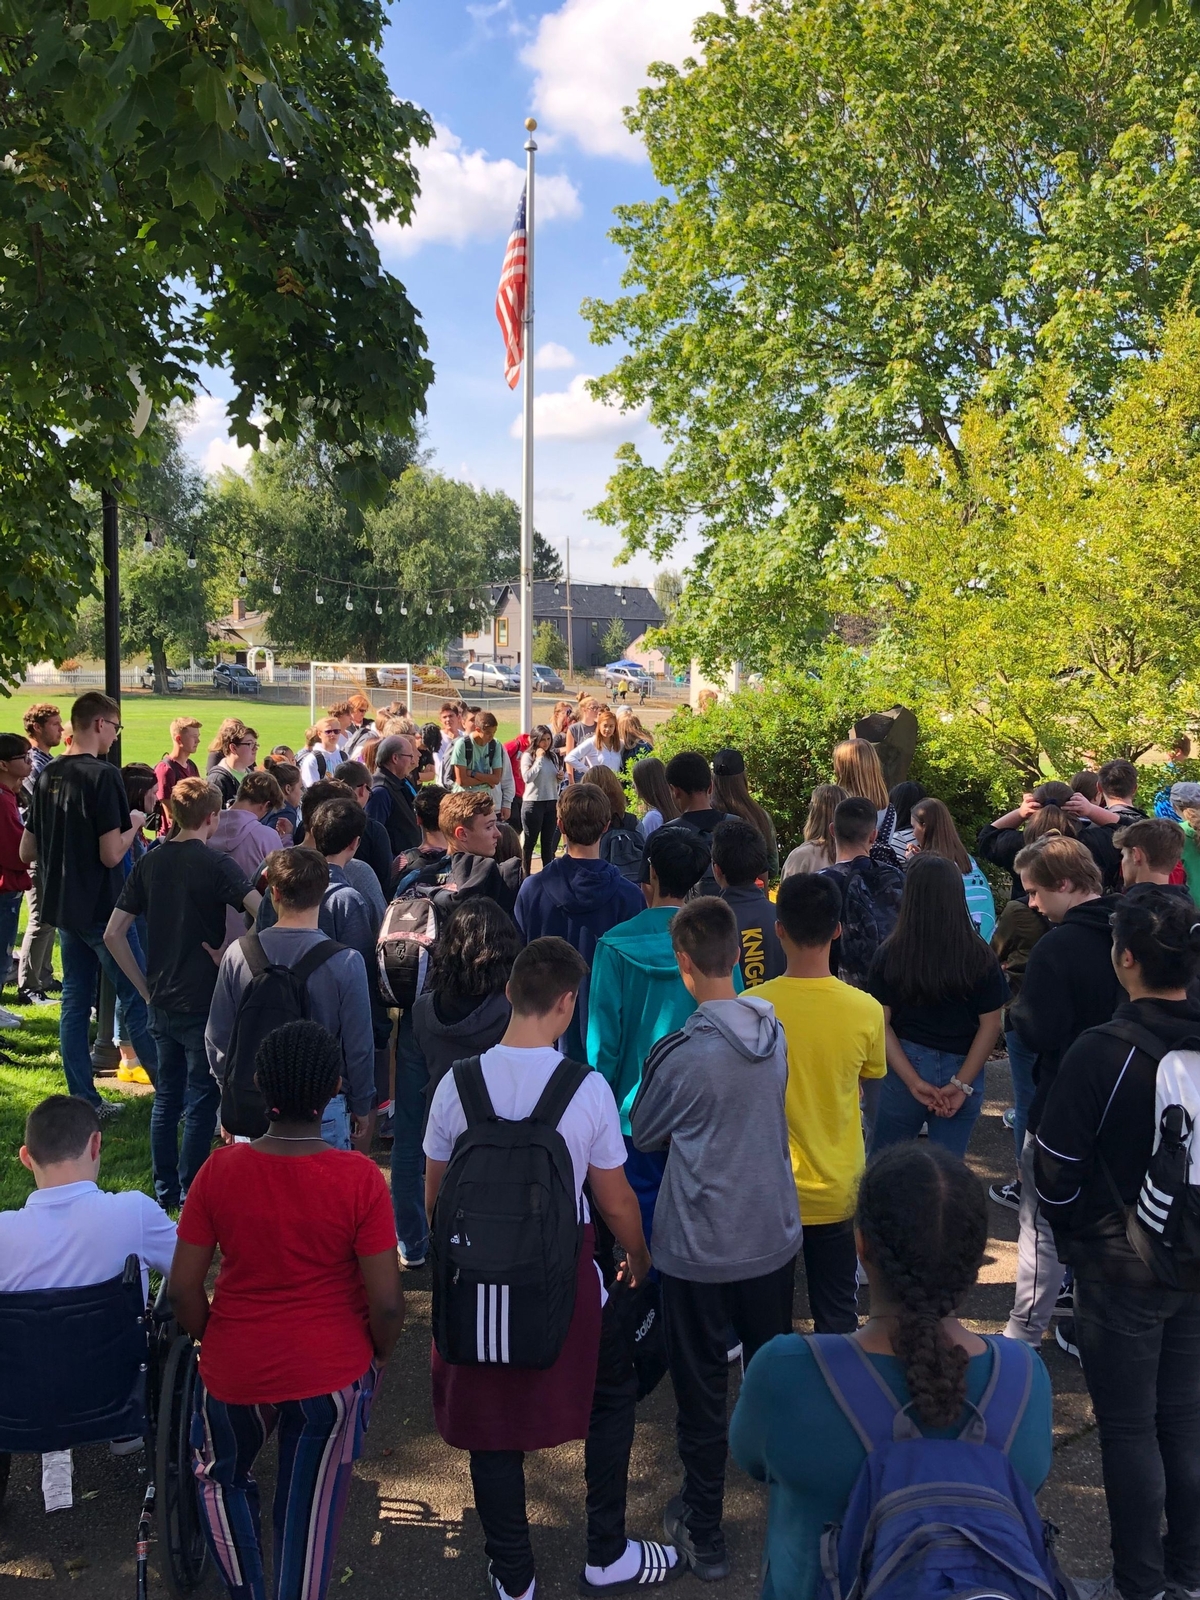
538, 817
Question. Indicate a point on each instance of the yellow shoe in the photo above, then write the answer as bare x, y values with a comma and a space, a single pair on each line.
132, 1072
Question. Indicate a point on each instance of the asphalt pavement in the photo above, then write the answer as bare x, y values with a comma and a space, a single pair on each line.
411, 1526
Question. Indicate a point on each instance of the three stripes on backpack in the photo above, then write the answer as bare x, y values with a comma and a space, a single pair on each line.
491, 1322
1154, 1207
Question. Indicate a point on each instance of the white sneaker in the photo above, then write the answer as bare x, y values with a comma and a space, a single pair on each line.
128, 1446
10, 1019
56, 1480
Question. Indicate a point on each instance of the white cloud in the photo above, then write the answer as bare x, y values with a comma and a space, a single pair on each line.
205, 437
553, 357
466, 195
571, 413
591, 56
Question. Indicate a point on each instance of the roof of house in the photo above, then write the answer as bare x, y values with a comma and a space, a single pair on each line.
600, 601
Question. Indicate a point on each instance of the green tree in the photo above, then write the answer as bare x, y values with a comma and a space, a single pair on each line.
183, 186
614, 639
878, 214
1042, 590
549, 646
668, 589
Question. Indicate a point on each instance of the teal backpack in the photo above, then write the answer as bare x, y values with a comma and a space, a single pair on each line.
980, 902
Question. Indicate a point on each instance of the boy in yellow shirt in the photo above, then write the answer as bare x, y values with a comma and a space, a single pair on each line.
835, 1038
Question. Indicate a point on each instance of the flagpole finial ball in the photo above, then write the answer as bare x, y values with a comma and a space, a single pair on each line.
531, 124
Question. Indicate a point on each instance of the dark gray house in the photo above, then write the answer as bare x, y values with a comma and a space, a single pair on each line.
589, 610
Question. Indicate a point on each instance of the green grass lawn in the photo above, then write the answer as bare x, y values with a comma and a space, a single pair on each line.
125, 1163
146, 723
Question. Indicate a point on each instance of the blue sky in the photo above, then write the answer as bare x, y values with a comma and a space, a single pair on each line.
479, 69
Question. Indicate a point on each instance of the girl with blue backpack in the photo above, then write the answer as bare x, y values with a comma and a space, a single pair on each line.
934, 834
834, 1424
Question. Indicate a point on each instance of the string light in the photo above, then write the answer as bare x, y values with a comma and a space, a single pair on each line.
320, 598
349, 602
276, 587
242, 578
147, 542
403, 609
378, 608
192, 558
429, 608
450, 607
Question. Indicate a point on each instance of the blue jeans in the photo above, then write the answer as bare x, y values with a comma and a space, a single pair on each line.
1021, 1062
335, 1123
900, 1115
408, 1160
186, 1089
10, 915
137, 943
84, 956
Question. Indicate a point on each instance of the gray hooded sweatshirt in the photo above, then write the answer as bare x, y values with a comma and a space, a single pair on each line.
712, 1096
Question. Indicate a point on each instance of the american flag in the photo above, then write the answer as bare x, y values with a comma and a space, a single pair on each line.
510, 298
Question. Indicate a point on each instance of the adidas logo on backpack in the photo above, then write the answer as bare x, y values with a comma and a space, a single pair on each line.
1164, 1224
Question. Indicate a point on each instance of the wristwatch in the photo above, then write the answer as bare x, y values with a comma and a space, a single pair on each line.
965, 1088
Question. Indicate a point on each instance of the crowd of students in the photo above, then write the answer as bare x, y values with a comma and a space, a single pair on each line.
742, 1051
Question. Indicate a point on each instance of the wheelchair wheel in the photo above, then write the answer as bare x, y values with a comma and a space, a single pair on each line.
177, 1504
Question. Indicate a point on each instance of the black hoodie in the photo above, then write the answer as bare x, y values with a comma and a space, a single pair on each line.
466, 1033
1069, 985
1102, 1104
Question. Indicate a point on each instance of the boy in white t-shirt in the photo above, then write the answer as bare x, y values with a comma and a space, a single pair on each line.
70, 1233
500, 1412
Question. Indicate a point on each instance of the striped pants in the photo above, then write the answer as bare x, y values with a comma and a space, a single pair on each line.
319, 1440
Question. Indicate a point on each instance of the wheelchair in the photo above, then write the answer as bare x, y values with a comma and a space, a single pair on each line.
82, 1366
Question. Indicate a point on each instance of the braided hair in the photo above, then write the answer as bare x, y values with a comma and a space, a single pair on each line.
298, 1068
923, 1219
1159, 927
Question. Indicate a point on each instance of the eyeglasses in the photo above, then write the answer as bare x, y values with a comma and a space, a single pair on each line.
247, 744
113, 723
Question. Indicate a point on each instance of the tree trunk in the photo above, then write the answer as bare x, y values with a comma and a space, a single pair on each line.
158, 655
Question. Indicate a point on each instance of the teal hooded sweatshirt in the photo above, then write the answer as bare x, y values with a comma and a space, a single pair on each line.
636, 998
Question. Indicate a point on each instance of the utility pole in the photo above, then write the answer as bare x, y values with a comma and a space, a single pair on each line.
112, 607
526, 656
570, 622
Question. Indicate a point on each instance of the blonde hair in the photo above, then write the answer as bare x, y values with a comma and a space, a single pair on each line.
180, 723
856, 767
606, 779
826, 798
629, 726
1053, 861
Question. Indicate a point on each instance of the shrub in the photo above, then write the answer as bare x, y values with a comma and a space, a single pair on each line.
786, 731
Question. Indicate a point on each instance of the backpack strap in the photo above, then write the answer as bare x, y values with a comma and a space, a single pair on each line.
314, 958
256, 957
564, 1083
472, 1091
862, 1395
1002, 1405
1135, 1034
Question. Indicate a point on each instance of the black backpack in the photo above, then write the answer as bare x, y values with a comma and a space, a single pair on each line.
506, 1233
274, 995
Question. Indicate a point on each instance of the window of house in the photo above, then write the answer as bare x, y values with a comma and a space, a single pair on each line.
501, 630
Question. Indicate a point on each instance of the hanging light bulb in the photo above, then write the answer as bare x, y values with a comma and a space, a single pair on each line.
147, 542
192, 558
378, 608
349, 602
319, 597
242, 578
450, 607
403, 609
472, 603
429, 608
276, 587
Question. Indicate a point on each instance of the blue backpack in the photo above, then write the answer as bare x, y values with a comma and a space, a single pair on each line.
935, 1517
981, 903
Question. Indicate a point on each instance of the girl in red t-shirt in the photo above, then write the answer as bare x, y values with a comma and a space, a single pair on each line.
306, 1309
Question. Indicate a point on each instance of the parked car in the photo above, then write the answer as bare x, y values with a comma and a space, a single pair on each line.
235, 679
455, 672
492, 675
619, 672
546, 680
174, 680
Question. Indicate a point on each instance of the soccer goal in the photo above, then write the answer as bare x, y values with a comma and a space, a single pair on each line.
380, 681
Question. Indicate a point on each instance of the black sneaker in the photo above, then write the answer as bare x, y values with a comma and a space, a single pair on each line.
1006, 1194
110, 1109
1064, 1335
1064, 1306
52, 986
710, 1564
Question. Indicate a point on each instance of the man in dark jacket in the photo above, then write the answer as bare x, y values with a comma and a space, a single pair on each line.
578, 897
1139, 1340
690, 778
391, 798
1069, 986
469, 825
870, 890
375, 846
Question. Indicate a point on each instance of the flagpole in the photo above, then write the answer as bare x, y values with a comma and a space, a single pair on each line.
527, 449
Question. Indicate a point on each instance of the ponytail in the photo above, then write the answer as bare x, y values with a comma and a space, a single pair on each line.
923, 1220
